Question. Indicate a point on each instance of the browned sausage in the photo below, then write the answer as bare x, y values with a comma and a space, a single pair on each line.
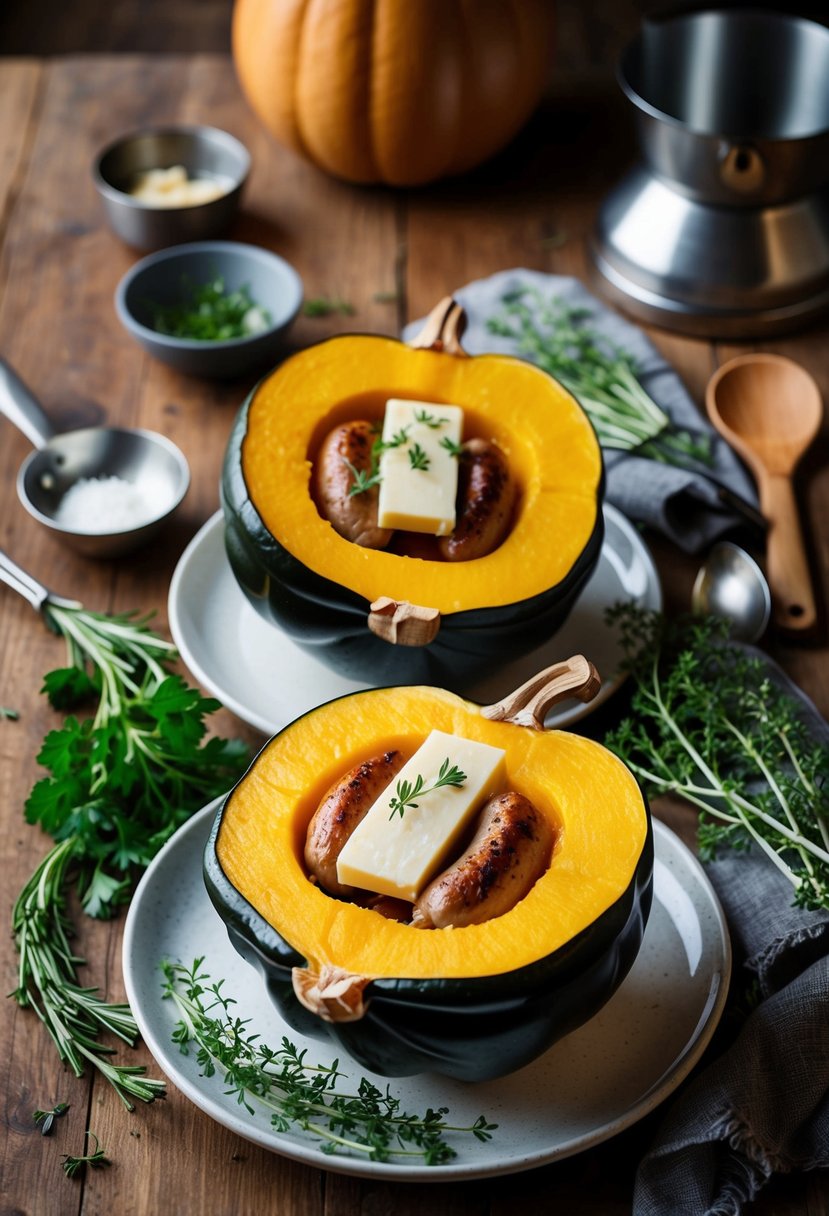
353, 516
342, 808
486, 498
510, 850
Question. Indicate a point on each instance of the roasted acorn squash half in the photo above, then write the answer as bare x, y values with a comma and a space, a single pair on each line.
473, 1002
361, 610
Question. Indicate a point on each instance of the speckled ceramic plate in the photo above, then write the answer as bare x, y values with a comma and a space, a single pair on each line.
590, 1086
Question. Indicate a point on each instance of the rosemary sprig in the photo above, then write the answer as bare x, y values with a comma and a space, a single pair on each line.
299, 1094
407, 791
45, 1119
710, 724
119, 784
76, 1165
602, 377
418, 458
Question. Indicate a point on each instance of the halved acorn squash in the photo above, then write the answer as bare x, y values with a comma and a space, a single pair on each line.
349, 604
473, 1002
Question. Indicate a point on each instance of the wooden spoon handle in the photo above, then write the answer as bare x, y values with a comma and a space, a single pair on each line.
793, 601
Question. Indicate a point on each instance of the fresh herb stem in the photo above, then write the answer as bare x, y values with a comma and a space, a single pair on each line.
9, 714
96, 1159
407, 791
45, 1119
711, 725
119, 784
298, 1094
324, 306
602, 377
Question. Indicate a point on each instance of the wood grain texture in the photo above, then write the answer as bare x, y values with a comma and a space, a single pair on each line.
533, 206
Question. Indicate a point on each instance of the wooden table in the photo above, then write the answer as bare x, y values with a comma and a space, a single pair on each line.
531, 207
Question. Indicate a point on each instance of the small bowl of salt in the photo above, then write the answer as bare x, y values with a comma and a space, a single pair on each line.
104, 490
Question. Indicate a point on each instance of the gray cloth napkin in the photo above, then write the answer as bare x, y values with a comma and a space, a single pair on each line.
682, 503
763, 1105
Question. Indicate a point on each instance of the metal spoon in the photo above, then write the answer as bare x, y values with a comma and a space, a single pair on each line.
730, 584
145, 458
769, 409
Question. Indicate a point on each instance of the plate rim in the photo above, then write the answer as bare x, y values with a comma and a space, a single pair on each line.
253, 718
309, 1154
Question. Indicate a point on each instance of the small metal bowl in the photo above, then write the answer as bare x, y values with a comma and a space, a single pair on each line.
162, 278
203, 151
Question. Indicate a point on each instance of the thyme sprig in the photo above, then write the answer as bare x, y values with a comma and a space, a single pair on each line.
96, 1158
454, 449
366, 479
429, 419
407, 791
298, 1094
601, 376
711, 724
418, 458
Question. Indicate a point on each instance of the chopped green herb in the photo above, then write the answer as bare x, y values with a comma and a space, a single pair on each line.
11, 714
77, 1165
209, 313
298, 1094
386, 297
430, 420
45, 1119
363, 479
397, 440
325, 307
407, 791
454, 449
418, 458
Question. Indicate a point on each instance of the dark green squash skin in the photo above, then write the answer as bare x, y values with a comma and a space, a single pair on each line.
330, 621
472, 1029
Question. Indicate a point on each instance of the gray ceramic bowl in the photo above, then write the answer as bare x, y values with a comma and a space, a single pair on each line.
162, 278
203, 151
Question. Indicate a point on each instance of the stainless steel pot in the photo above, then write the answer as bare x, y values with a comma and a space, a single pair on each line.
723, 229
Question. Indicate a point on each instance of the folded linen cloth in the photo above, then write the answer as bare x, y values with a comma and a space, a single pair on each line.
683, 503
763, 1105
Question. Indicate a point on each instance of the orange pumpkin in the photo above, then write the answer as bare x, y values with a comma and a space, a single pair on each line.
394, 91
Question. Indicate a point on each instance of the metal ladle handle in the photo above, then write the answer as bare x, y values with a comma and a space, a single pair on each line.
22, 408
27, 586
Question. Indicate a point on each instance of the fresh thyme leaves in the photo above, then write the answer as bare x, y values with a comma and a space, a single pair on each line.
77, 1165
418, 458
298, 1094
362, 479
120, 783
45, 1119
398, 440
711, 724
602, 377
454, 449
407, 791
428, 419
323, 306
209, 312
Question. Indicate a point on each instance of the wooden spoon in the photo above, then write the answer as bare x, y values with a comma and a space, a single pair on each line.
769, 409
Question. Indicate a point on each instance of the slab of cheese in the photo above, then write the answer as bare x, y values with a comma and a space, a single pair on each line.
419, 499
397, 856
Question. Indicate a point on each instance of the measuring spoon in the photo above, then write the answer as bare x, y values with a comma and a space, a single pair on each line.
144, 458
769, 409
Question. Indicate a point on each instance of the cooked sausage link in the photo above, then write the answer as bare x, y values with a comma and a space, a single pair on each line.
353, 516
486, 500
343, 807
509, 852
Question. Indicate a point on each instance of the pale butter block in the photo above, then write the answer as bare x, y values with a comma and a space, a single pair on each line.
419, 500
395, 856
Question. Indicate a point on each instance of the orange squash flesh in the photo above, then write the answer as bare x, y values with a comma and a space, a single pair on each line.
548, 441
590, 797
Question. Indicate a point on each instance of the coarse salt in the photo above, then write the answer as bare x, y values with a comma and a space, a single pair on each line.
103, 505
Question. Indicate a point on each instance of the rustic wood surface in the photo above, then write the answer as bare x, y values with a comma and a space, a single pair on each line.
59, 264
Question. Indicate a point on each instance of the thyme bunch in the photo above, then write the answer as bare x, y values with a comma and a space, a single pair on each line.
710, 724
298, 1094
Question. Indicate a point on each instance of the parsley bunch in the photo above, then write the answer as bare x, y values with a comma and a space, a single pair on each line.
712, 725
602, 377
120, 783
298, 1094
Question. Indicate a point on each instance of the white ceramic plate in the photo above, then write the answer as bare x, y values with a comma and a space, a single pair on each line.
268, 681
589, 1086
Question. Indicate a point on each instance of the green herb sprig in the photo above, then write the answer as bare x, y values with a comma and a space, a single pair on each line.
366, 479
711, 725
601, 376
407, 791
9, 714
418, 458
45, 1119
208, 312
300, 1095
428, 419
454, 449
120, 783
72, 1166
324, 306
